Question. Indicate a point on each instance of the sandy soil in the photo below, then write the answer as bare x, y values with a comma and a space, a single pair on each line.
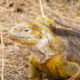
13, 12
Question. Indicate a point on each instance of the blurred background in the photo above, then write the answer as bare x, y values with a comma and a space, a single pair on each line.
13, 12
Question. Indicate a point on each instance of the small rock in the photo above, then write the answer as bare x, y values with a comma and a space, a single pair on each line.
11, 5
19, 10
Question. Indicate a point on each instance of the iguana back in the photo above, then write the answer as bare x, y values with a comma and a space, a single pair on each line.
73, 42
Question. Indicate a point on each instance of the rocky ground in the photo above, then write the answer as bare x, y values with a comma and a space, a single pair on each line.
13, 12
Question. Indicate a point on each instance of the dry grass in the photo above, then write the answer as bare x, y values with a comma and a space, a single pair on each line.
14, 12
2, 58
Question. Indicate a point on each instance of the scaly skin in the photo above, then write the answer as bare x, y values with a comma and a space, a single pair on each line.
63, 43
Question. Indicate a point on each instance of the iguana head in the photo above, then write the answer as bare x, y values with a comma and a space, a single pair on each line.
32, 33
36, 36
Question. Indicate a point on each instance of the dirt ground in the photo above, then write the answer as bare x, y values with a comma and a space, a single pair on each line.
13, 12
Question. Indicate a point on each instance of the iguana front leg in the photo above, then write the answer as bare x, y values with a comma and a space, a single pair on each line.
75, 77
68, 70
35, 73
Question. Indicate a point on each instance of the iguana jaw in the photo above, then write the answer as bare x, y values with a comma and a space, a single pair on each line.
32, 42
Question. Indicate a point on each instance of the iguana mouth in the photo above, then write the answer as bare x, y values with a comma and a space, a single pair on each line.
23, 40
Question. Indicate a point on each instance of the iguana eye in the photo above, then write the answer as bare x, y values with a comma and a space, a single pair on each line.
27, 30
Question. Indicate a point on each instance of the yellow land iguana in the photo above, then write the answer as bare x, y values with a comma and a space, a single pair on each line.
55, 50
